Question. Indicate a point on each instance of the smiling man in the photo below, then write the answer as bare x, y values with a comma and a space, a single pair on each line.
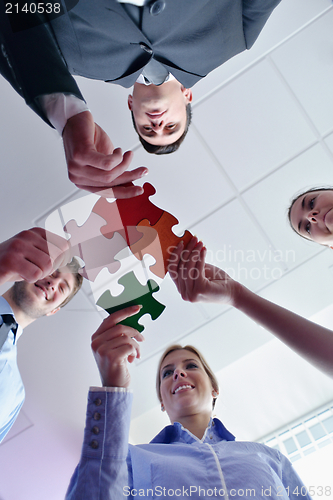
25, 302
159, 46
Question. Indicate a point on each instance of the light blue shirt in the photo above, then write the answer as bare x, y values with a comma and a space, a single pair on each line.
11, 386
175, 463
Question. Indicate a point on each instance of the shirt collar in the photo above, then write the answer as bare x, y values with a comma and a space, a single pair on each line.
215, 432
141, 79
6, 309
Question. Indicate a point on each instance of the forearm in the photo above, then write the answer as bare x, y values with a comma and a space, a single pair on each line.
308, 339
33, 64
61, 107
102, 470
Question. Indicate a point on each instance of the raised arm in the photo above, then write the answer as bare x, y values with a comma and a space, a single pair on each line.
102, 472
197, 281
31, 62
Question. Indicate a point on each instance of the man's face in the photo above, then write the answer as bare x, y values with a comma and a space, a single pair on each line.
160, 111
44, 297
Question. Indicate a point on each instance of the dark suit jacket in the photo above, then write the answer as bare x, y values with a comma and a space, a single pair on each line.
99, 40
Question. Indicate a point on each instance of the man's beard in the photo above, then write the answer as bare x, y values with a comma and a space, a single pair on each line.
24, 300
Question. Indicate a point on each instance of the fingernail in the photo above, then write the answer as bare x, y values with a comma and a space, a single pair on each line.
145, 172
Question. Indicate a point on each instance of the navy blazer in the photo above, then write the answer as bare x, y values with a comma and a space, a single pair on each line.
99, 40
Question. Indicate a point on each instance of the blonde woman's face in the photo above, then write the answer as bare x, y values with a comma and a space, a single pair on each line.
186, 389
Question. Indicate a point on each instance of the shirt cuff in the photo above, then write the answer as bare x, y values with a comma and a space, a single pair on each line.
110, 389
60, 107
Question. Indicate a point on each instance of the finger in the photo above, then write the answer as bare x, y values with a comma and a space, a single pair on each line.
118, 192
90, 176
56, 240
201, 262
33, 265
118, 331
125, 192
193, 273
174, 260
96, 169
115, 162
117, 346
56, 249
93, 158
29, 271
116, 317
132, 175
184, 258
186, 269
119, 163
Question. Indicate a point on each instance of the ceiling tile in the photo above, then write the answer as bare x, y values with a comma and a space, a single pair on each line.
278, 406
307, 289
253, 125
305, 62
188, 183
329, 142
235, 244
288, 16
33, 167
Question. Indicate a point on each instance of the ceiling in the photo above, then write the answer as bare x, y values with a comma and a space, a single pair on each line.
262, 131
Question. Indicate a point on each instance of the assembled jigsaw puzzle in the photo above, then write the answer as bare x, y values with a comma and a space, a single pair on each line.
135, 223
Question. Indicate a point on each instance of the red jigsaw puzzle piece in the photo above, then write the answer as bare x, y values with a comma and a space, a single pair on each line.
159, 247
123, 215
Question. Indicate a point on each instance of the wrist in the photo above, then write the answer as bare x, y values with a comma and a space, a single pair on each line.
239, 296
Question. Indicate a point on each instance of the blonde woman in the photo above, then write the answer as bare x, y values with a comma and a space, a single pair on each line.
195, 456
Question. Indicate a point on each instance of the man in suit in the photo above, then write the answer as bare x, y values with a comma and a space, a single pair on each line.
161, 47
31, 259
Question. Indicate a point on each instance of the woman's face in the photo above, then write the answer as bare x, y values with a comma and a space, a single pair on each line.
186, 389
312, 216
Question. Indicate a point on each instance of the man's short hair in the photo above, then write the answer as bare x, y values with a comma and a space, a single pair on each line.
169, 148
73, 267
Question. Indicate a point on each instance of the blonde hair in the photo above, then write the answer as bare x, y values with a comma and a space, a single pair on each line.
178, 347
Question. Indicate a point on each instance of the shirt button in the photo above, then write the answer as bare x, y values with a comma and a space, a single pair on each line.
97, 416
98, 402
157, 7
145, 47
95, 430
94, 444
210, 437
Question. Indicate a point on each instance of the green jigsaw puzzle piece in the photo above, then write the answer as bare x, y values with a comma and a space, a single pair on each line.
133, 294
